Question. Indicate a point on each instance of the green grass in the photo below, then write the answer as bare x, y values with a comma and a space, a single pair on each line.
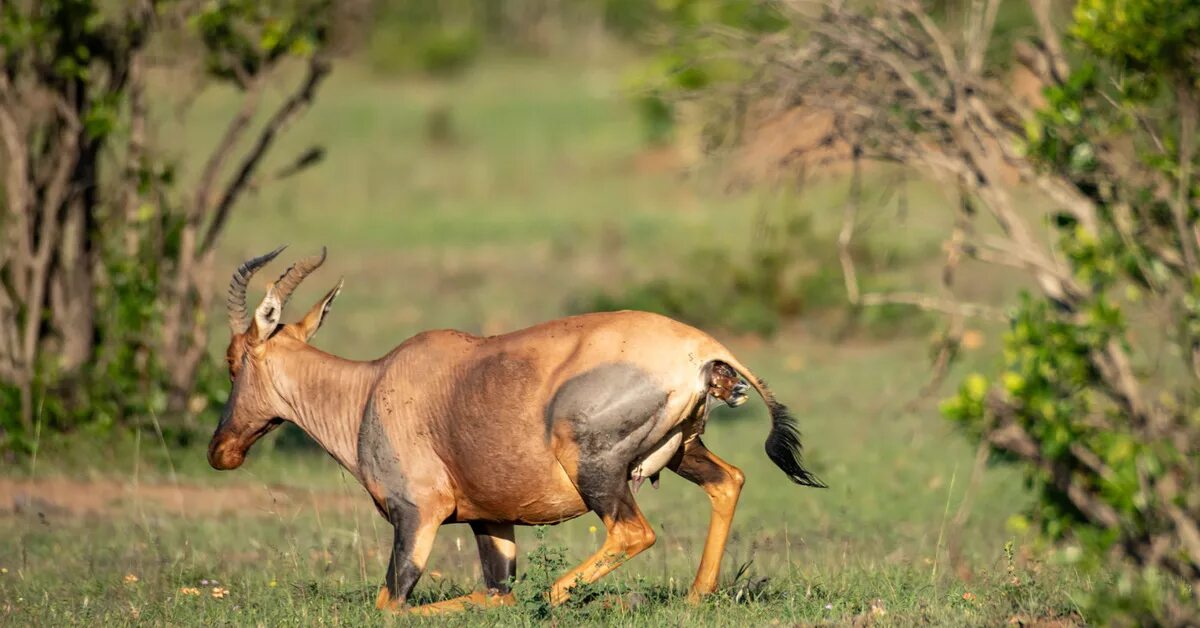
539, 199
882, 531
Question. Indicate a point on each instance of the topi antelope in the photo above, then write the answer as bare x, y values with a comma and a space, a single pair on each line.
537, 426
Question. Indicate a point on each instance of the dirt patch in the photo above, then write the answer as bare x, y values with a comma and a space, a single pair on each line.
781, 144
67, 496
667, 159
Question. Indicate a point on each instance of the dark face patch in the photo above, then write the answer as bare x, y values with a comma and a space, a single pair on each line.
230, 404
610, 409
246, 417
235, 356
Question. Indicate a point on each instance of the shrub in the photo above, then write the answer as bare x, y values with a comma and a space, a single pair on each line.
1096, 399
109, 293
789, 273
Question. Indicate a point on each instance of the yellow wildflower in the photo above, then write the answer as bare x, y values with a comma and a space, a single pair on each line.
219, 592
189, 591
130, 578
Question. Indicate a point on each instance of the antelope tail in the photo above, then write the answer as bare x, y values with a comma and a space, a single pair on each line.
783, 443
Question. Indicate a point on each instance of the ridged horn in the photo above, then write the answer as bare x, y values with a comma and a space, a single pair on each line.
287, 282
235, 302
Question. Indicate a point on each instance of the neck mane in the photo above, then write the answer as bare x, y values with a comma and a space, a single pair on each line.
327, 396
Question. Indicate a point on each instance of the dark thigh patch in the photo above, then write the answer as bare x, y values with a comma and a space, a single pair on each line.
610, 410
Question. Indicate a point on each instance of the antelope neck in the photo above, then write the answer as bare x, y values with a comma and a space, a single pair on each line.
327, 396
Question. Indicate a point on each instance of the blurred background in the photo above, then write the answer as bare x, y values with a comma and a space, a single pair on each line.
897, 213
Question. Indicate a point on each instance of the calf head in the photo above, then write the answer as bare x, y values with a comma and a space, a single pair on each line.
258, 347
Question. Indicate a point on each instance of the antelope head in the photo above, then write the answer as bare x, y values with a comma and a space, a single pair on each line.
256, 348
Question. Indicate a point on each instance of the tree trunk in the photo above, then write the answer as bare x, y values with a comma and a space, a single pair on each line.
72, 292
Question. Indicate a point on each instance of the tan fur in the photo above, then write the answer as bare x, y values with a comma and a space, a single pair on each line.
463, 426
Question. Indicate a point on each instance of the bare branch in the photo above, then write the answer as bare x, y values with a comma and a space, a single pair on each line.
1050, 39
1185, 526
221, 153
948, 346
849, 217
1113, 363
934, 304
979, 33
318, 69
18, 195
9, 368
1180, 204
136, 147
1138, 113
945, 305
305, 160
935, 34
39, 267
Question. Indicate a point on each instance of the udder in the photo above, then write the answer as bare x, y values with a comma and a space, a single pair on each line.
651, 462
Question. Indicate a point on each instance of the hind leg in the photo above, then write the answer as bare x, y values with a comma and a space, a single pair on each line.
601, 477
497, 555
723, 483
628, 534
599, 420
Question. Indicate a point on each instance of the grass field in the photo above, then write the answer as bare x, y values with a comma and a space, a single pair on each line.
541, 197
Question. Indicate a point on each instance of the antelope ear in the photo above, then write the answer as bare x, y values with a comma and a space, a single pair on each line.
312, 321
266, 316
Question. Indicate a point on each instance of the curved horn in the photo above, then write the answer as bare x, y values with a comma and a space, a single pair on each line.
235, 302
287, 282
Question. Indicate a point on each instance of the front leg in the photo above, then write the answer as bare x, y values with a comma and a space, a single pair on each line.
411, 545
406, 499
498, 557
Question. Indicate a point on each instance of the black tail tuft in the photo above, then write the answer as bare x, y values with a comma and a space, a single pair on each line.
783, 445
